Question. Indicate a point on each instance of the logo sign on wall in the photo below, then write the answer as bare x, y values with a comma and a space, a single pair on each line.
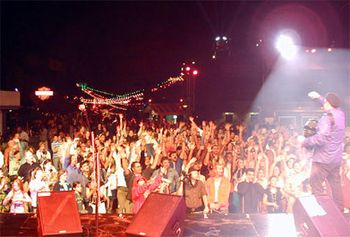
44, 93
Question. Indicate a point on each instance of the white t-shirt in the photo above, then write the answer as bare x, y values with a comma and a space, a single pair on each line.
36, 186
119, 170
2, 161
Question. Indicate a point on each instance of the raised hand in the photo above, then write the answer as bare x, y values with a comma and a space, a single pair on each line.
209, 149
192, 146
240, 127
158, 150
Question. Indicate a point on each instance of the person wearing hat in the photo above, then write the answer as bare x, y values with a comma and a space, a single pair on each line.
327, 145
196, 198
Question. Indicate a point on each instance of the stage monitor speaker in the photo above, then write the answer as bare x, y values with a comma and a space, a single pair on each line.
319, 216
58, 214
160, 215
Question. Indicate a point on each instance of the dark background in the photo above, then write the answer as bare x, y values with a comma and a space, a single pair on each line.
125, 46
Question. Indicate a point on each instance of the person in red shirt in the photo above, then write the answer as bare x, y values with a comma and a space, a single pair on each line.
141, 189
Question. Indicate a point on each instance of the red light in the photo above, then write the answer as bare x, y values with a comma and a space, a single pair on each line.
188, 68
195, 72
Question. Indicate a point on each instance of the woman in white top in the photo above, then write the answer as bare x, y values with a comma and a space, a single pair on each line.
17, 197
37, 184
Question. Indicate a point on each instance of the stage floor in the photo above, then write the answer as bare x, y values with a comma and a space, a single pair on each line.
255, 225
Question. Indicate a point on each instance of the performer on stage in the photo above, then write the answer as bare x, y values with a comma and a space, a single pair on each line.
327, 145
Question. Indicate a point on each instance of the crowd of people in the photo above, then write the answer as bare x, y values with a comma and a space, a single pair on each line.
218, 167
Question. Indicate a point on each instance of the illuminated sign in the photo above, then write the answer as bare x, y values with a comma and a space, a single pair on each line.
44, 93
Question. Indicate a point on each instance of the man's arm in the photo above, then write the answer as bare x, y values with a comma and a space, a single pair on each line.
66, 162
125, 164
316, 140
180, 189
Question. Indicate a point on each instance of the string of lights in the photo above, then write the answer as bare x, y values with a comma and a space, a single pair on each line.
125, 99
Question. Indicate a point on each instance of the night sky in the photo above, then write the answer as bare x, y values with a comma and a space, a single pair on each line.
123, 46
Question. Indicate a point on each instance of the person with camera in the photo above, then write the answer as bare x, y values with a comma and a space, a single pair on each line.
194, 191
42, 153
327, 145
170, 179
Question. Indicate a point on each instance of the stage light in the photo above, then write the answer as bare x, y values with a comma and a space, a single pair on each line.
16, 89
313, 50
213, 57
217, 38
329, 49
195, 72
188, 68
286, 47
224, 38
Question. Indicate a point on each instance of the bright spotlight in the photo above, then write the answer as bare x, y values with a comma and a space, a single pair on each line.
195, 72
224, 38
313, 50
188, 68
286, 47
217, 38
